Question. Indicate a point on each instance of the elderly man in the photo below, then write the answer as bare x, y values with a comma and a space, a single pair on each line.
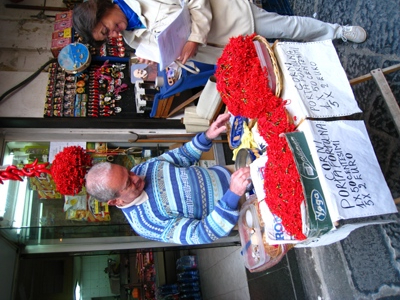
169, 199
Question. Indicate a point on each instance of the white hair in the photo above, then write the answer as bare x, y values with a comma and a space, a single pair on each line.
97, 182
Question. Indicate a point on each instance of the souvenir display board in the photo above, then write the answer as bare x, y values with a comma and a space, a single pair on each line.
114, 47
102, 90
88, 82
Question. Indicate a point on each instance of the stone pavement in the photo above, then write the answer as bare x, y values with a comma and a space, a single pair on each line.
365, 265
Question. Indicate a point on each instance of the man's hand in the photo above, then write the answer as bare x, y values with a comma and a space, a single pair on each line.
240, 180
188, 51
218, 126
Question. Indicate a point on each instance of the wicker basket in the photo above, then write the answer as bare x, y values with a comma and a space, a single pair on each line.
274, 62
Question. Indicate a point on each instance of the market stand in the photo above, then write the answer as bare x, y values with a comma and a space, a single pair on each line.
341, 183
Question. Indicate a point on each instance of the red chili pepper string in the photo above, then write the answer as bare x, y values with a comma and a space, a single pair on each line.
29, 170
243, 86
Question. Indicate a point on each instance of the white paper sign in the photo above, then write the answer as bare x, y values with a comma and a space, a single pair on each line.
349, 172
315, 83
173, 38
56, 147
172, 34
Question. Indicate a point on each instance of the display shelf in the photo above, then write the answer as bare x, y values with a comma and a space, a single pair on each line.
102, 90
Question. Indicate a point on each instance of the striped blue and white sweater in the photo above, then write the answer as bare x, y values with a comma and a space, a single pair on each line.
186, 204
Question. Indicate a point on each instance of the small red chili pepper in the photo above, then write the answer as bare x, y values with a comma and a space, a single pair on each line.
11, 167
8, 175
18, 172
42, 166
31, 165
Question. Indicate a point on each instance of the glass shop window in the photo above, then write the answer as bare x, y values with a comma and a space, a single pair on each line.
16, 196
32, 210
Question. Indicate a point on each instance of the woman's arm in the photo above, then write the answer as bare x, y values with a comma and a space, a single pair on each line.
201, 16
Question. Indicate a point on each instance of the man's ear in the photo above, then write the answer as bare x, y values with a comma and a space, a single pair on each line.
112, 202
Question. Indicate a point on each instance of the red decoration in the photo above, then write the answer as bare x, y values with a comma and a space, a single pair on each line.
282, 185
242, 82
69, 169
244, 89
30, 170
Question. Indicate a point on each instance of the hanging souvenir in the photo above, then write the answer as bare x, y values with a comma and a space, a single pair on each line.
74, 58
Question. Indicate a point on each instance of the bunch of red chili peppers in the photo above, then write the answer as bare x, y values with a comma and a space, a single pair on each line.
69, 168
244, 89
29, 170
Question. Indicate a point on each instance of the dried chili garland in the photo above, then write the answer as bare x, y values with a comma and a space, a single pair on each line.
244, 89
33, 169
69, 169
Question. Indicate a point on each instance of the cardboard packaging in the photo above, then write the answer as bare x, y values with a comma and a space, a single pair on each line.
341, 180
63, 33
58, 44
67, 15
60, 25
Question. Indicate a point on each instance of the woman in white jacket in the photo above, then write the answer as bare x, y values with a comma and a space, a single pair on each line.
213, 23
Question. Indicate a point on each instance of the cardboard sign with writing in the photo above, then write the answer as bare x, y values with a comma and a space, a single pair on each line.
315, 83
349, 173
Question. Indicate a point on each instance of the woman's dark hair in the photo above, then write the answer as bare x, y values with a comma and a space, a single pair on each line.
87, 15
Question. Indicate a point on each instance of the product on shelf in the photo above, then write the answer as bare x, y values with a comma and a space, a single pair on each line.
95, 92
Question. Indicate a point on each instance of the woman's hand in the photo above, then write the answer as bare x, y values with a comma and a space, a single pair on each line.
188, 51
217, 127
240, 179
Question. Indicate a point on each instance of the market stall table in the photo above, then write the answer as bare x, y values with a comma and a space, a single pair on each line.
337, 171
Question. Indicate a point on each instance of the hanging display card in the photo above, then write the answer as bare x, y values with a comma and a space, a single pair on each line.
348, 170
315, 83
56, 147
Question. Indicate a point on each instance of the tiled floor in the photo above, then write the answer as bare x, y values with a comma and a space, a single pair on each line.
222, 273
224, 277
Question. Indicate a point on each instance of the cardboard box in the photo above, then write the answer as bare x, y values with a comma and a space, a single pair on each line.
341, 180
63, 33
66, 15
317, 220
58, 44
60, 25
